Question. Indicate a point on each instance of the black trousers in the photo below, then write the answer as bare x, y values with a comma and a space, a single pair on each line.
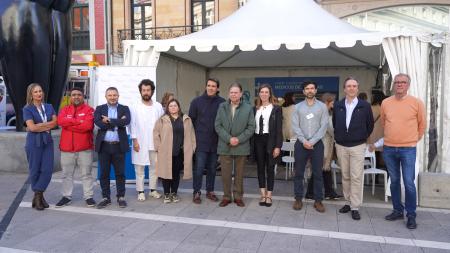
110, 154
264, 162
171, 185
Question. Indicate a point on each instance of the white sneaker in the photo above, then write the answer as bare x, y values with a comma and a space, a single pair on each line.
141, 196
154, 194
167, 199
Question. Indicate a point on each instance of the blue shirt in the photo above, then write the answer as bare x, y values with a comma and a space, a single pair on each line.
112, 135
30, 112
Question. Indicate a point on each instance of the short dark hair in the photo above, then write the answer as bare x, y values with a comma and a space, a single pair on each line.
112, 88
75, 88
214, 80
350, 78
308, 82
147, 82
180, 113
288, 99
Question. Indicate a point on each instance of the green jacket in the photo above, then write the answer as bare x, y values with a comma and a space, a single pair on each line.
241, 126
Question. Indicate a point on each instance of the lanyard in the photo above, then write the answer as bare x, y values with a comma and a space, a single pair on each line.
42, 114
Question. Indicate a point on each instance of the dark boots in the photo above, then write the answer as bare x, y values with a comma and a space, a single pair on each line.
38, 201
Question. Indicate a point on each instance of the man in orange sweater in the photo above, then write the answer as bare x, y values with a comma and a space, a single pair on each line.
404, 122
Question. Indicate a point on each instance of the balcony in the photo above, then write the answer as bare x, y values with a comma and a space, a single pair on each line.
154, 33
80, 40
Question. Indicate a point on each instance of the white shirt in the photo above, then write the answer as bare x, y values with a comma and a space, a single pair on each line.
265, 112
350, 107
143, 120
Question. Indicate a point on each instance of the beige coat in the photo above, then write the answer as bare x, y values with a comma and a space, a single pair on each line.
163, 141
287, 122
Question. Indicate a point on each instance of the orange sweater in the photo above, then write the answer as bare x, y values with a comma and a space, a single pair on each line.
403, 120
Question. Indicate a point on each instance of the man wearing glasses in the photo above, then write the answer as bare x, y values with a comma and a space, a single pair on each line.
403, 119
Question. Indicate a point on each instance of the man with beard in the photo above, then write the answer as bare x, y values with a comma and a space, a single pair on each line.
77, 123
144, 115
309, 123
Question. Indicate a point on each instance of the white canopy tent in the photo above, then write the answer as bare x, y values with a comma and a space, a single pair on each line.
291, 33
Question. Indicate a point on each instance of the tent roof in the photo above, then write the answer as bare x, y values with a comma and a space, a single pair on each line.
265, 34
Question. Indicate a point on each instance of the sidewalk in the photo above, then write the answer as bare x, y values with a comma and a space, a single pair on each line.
152, 226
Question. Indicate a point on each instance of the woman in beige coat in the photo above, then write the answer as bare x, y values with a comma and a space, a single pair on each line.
174, 140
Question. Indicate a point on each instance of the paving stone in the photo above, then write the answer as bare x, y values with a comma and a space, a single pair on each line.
350, 246
389, 248
243, 239
228, 213
441, 218
312, 244
275, 242
47, 240
172, 232
391, 228
194, 248
210, 236
431, 233
356, 227
156, 246
230, 250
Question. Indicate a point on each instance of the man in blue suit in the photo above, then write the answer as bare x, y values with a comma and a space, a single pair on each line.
111, 144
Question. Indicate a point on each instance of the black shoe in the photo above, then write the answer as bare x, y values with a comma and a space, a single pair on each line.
90, 202
345, 209
333, 196
411, 223
355, 215
121, 201
63, 202
104, 203
394, 216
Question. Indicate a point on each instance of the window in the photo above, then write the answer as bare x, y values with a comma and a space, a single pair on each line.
202, 12
141, 19
80, 25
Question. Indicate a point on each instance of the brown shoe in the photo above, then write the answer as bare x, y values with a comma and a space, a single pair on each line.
319, 206
239, 202
212, 196
224, 202
297, 205
196, 199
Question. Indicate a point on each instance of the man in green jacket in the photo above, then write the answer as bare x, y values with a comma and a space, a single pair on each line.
235, 125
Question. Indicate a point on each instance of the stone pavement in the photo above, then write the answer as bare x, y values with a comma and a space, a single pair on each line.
152, 226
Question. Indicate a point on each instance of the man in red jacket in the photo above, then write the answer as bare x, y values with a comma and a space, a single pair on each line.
77, 123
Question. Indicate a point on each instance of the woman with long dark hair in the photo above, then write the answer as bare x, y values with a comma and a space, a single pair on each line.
39, 118
268, 139
174, 140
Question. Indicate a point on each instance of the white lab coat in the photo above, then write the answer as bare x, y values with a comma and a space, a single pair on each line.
143, 119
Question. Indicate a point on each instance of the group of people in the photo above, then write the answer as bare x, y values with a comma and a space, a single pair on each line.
166, 140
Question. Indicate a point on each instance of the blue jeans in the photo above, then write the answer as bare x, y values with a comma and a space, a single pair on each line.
404, 158
208, 161
301, 158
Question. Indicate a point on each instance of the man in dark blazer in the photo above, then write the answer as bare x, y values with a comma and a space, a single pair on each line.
353, 123
111, 144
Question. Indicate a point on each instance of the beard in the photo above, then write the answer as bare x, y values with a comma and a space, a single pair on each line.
146, 98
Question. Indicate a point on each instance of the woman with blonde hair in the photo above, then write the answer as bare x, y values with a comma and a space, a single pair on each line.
40, 119
268, 139
328, 144
174, 140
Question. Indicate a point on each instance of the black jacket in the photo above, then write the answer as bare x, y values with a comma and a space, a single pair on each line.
123, 119
275, 130
360, 127
203, 112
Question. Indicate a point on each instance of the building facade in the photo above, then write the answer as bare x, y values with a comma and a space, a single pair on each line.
100, 26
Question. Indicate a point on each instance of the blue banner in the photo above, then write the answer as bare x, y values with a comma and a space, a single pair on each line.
283, 85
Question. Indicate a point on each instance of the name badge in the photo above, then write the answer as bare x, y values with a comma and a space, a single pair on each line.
310, 116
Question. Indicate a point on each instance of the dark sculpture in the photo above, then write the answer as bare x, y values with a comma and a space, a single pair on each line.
35, 46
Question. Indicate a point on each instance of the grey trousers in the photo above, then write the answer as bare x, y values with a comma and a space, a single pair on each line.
69, 162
